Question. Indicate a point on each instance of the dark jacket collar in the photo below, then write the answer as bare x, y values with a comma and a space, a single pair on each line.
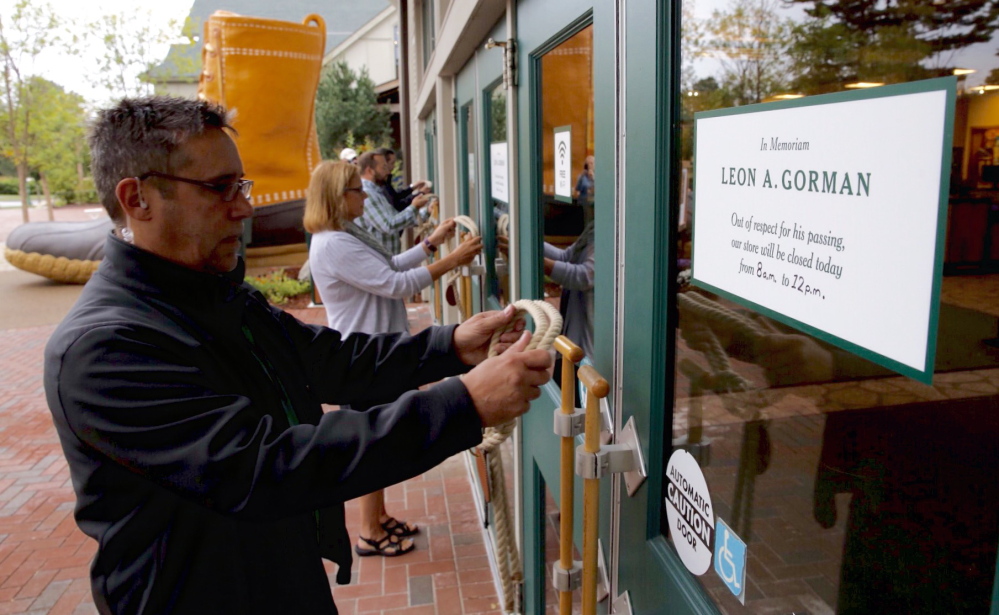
200, 295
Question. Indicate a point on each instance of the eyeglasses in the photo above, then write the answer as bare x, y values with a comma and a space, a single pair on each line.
358, 190
227, 190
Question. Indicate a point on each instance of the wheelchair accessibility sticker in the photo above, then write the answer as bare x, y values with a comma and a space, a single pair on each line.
730, 559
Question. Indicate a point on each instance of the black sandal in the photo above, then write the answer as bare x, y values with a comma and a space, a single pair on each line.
400, 528
389, 546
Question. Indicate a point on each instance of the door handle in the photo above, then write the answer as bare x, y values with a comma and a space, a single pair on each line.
597, 389
566, 573
592, 462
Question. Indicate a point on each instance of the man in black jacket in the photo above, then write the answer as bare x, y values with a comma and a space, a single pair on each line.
190, 410
400, 199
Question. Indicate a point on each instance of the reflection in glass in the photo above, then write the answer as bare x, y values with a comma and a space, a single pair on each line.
499, 195
568, 257
855, 489
471, 157
468, 157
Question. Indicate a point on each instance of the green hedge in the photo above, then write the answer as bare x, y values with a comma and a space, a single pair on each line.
277, 286
8, 185
84, 193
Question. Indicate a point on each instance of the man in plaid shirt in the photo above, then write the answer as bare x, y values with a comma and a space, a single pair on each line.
380, 217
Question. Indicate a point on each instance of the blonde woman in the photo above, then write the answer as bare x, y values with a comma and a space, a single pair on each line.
362, 287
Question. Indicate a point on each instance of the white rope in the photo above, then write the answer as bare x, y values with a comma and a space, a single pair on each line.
425, 228
451, 279
547, 327
503, 225
468, 223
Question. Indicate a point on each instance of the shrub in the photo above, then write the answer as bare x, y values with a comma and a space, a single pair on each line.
8, 185
277, 286
84, 193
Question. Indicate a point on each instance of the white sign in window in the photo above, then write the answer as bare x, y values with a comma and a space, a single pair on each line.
499, 172
689, 511
563, 163
827, 213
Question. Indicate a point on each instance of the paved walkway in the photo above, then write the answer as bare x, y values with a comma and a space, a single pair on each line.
44, 558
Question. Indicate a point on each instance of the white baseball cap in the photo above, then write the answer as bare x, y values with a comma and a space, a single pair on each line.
348, 154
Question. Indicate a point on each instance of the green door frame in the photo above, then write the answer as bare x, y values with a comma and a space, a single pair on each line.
483, 67
648, 569
541, 27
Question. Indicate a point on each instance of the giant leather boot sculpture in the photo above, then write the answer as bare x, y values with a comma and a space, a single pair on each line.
267, 72
264, 71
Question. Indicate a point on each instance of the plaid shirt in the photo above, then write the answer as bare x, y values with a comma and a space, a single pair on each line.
382, 220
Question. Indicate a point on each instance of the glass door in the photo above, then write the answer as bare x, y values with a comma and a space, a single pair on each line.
836, 485
560, 257
498, 194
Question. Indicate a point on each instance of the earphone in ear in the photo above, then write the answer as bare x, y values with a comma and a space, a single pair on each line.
138, 189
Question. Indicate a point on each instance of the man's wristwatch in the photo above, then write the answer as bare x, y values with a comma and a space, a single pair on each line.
429, 246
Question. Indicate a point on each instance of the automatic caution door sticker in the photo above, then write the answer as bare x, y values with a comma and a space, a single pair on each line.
689, 511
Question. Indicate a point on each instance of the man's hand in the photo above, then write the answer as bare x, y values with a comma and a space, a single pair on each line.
503, 386
420, 201
471, 338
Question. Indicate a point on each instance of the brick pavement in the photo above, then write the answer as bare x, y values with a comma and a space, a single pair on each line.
44, 558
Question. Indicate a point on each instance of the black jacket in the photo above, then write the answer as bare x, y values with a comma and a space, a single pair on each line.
190, 471
400, 199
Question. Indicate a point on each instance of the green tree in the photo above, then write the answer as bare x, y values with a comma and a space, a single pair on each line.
885, 41
28, 31
57, 139
704, 95
750, 38
347, 110
131, 46
497, 115
692, 32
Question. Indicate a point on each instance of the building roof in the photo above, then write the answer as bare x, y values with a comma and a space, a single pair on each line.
343, 17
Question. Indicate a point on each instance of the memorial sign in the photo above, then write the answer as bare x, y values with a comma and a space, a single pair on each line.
828, 213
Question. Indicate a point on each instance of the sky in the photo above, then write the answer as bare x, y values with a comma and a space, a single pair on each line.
70, 70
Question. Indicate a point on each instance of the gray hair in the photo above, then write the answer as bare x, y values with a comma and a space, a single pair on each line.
138, 135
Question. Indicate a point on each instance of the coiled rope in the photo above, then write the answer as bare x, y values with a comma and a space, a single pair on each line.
547, 326
503, 225
469, 225
700, 336
423, 229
